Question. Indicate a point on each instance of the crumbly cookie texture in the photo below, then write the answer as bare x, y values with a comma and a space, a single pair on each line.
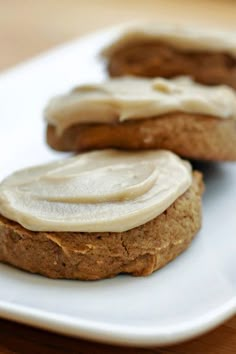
90, 256
192, 136
151, 50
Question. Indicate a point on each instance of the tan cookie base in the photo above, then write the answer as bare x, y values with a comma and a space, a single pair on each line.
89, 256
151, 59
193, 136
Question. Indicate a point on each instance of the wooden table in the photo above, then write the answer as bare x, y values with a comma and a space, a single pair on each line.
28, 27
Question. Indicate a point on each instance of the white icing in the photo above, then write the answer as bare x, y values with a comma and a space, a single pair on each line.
100, 191
130, 98
180, 37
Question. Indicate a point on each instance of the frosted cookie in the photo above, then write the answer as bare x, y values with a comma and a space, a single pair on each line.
190, 119
100, 214
153, 50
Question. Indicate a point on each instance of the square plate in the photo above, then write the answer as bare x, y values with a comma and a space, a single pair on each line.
189, 296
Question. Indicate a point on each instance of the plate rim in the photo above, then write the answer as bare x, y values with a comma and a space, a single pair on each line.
117, 334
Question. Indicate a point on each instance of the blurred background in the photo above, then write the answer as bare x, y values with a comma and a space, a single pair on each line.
28, 27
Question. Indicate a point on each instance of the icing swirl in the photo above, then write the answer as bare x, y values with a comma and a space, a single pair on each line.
99, 191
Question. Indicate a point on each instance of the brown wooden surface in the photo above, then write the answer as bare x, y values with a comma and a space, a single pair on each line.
28, 27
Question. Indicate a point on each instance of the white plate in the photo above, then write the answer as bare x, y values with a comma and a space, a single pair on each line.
192, 294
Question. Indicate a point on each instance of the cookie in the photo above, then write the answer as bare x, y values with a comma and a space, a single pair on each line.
151, 50
150, 201
190, 119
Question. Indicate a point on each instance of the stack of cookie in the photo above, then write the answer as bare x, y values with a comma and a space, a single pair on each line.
127, 203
